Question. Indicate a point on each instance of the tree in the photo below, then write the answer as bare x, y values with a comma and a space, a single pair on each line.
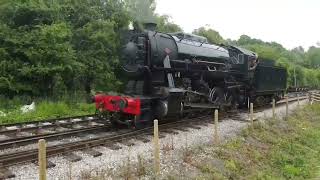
212, 35
313, 57
53, 47
141, 10
298, 63
165, 25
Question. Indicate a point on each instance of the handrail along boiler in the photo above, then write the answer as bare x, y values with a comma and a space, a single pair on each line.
175, 74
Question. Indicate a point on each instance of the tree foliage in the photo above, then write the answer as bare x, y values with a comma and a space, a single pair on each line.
212, 35
165, 25
50, 48
302, 67
141, 10
313, 57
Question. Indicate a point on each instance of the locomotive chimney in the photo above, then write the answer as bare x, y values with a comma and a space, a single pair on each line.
150, 26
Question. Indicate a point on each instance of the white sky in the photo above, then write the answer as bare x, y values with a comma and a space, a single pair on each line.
289, 22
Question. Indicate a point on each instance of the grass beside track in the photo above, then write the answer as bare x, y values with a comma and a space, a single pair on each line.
46, 110
274, 149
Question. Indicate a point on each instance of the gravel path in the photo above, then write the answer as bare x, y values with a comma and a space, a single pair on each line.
114, 159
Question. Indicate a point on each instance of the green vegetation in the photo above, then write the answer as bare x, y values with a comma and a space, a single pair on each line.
273, 150
46, 110
212, 35
53, 48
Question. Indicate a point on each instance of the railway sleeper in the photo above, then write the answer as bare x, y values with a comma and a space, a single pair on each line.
5, 173
60, 129
72, 157
193, 126
3, 128
113, 146
41, 131
169, 131
143, 139
127, 143
93, 152
77, 126
183, 129
50, 164
160, 135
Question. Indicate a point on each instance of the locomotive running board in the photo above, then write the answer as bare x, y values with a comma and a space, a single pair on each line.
201, 106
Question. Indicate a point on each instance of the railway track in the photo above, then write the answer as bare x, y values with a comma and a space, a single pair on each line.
15, 135
52, 121
110, 141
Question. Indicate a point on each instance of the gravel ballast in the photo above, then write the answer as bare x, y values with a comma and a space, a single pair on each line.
114, 159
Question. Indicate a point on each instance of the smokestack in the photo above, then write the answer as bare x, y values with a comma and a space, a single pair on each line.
150, 26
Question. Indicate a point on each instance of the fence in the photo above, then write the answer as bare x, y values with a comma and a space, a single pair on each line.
314, 97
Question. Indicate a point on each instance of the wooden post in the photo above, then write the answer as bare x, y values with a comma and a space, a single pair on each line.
310, 98
287, 107
273, 108
156, 148
42, 160
216, 126
251, 114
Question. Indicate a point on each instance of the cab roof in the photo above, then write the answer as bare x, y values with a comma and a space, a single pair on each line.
244, 51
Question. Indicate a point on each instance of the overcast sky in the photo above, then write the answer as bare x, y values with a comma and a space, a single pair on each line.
291, 23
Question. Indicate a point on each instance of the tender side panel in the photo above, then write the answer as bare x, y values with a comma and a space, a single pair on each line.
270, 79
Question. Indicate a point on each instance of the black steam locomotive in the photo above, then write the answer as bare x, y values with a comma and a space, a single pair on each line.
177, 74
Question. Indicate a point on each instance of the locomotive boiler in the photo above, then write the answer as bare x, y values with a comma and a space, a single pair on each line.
174, 75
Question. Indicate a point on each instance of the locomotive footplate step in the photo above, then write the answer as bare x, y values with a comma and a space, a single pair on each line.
72, 157
6, 173
93, 152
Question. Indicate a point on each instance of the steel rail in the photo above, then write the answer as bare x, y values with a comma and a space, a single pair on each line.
47, 120
21, 141
10, 159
